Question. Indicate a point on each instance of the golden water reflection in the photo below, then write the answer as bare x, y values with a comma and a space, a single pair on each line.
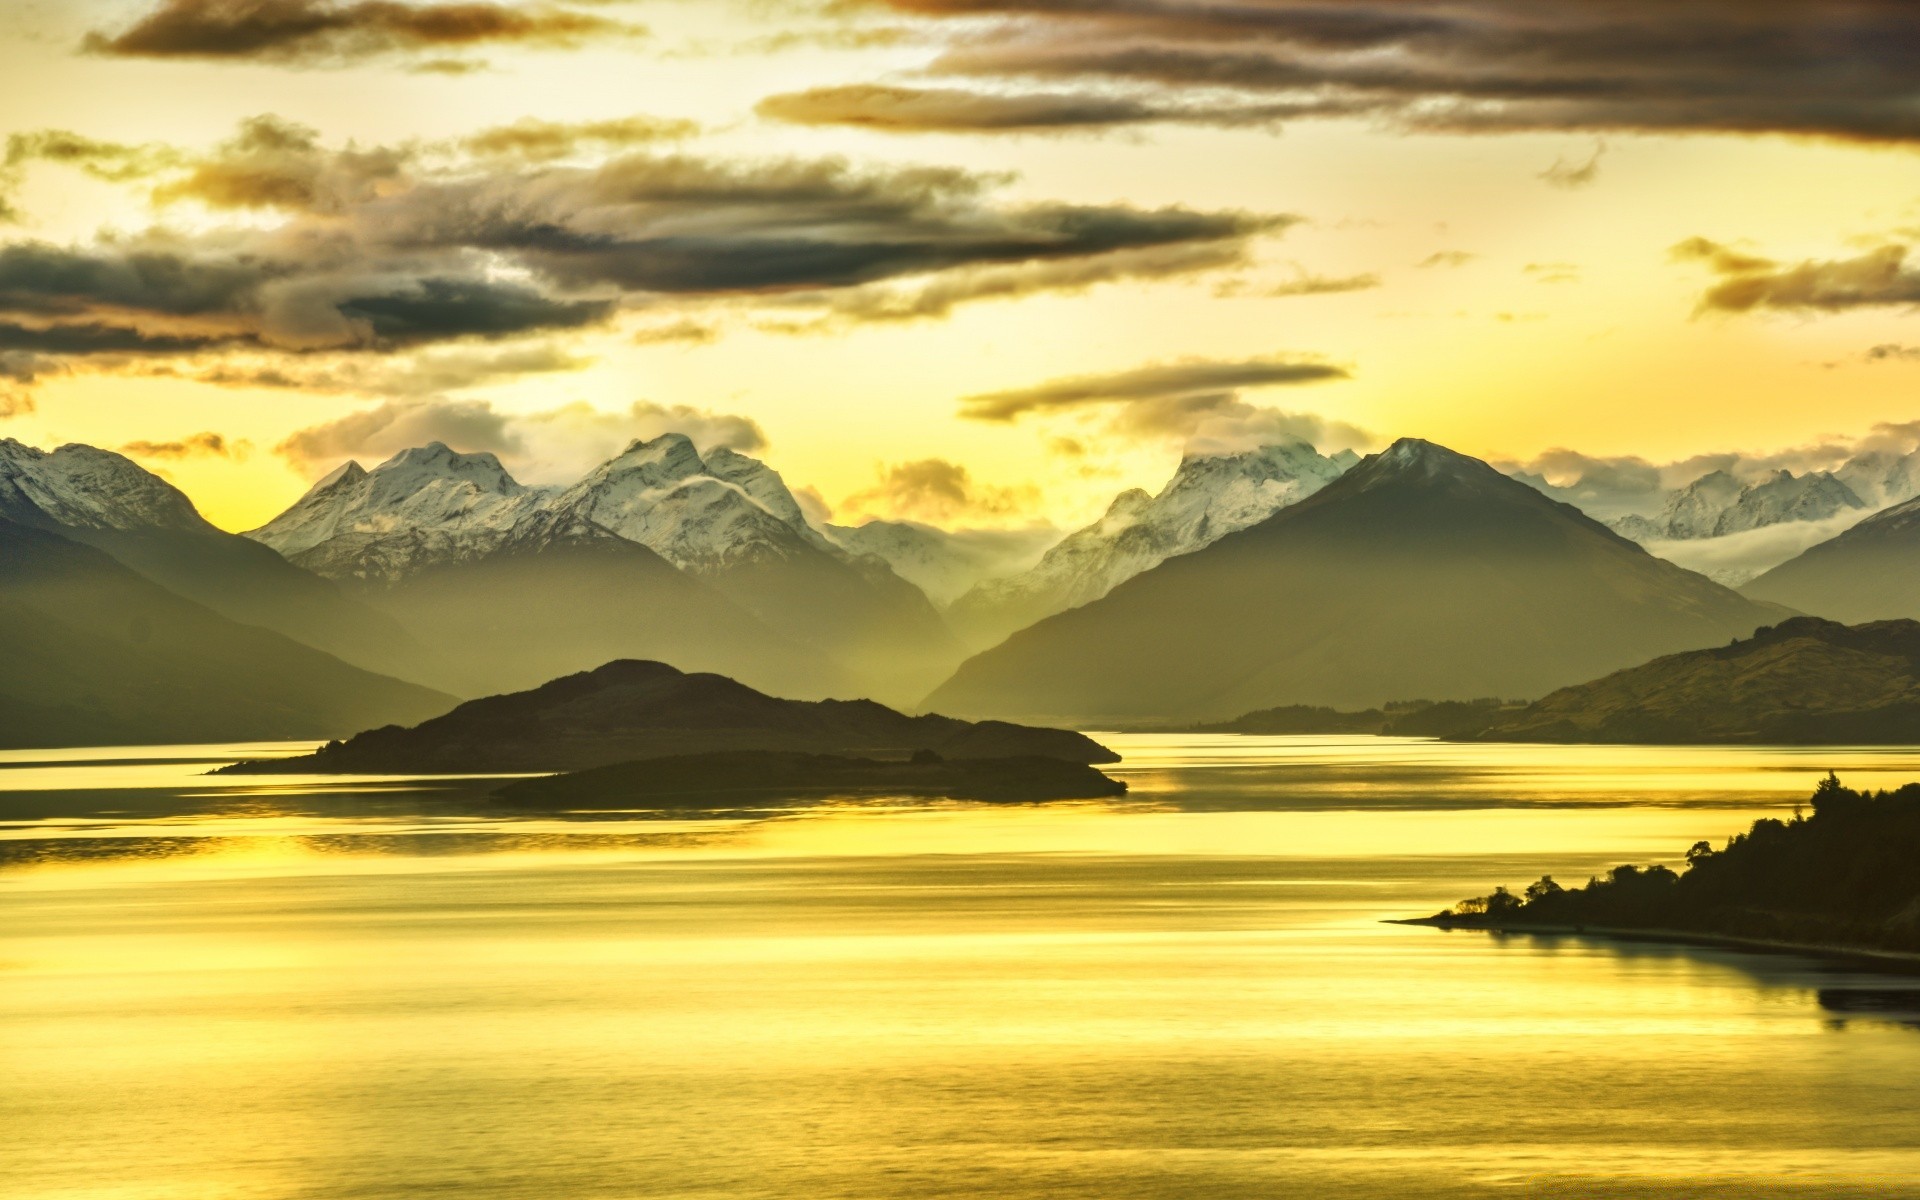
338, 995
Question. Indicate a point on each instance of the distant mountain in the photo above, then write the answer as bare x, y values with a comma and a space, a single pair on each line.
636, 710
1870, 572
431, 520
109, 502
1208, 498
1804, 680
944, 563
1717, 505
1420, 572
97, 654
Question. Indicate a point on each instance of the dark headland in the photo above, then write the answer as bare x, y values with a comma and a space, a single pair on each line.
1843, 879
631, 710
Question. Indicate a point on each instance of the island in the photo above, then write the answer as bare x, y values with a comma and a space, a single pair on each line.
1844, 878
697, 781
631, 709
1403, 718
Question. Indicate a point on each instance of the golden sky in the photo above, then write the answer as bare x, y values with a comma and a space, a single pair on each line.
249, 238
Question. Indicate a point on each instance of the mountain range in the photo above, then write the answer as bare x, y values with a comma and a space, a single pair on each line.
1208, 498
1419, 572
658, 552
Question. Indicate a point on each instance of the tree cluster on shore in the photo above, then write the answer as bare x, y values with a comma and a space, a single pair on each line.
1846, 874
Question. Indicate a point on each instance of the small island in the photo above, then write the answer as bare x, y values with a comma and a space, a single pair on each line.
1844, 879
695, 781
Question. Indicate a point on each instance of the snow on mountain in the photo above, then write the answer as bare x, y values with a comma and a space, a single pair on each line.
663, 495
87, 488
1784, 497
1882, 478
945, 564
1717, 504
430, 505
1208, 498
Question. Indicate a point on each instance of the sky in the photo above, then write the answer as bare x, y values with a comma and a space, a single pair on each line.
975, 262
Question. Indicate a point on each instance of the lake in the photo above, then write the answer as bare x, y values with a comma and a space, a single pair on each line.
218, 988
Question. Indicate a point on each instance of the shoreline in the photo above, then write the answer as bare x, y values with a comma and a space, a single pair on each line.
1906, 962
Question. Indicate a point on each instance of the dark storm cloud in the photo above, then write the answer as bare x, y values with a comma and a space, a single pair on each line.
1879, 278
1844, 70
936, 489
332, 33
1199, 384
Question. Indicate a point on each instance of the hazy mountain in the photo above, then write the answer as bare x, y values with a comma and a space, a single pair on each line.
943, 563
109, 502
97, 653
719, 571
1870, 572
1805, 680
635, 710
1208, 498
560, 592
1420, 572
1717, 505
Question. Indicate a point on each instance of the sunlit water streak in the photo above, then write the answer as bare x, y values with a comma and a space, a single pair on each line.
253, 989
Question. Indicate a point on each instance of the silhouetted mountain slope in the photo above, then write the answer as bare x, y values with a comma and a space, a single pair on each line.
1803, 681
1869, 573
731, 778
107, 501
97, 654
1420, 572
635, 710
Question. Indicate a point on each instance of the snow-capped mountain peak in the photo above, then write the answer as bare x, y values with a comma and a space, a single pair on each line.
422, 489
85, 487
1208, 497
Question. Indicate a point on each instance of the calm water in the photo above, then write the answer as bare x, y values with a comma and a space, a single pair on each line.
217, 988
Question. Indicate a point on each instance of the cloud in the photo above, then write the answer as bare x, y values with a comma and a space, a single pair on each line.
1879, 278
196, 445
1188, 382
1304, 283
1446, 258
544, 141
427, 373
893, 109
19, 371
1571, 175
934, 489
1893, 352
1735, 558
380, 251
332, 33
1553, 272
550, 445
1847, 71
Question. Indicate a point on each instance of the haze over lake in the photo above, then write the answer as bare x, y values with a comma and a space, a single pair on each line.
214, 987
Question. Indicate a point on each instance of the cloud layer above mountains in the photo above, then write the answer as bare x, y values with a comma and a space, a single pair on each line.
1466, 66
